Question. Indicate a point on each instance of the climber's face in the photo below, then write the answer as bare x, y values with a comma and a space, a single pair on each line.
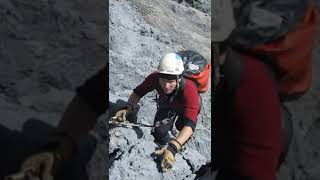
168, 85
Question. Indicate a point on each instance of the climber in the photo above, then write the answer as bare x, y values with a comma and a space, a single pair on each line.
250, 140
247, 123
178, 104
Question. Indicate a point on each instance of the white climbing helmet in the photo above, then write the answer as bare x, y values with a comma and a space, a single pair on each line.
171, 63
223, 20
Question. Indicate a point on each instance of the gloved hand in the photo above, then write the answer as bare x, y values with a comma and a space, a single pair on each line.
40, 165
122, 114
168, 153
46, 163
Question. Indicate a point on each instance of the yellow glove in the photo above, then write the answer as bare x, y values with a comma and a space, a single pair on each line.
168, 152
122, 114
45, 164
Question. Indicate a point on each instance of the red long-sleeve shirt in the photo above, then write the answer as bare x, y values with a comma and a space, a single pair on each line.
253, 125
187, 103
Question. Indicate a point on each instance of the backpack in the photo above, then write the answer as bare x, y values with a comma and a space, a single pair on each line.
196, 68
290, 57
260, 21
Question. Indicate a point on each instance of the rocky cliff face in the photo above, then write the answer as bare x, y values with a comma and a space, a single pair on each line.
140, 33
303, 158
48, 48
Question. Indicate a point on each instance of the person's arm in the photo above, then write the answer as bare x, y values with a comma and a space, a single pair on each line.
133, 100
257, 120
148, 85
191, 109
84, 109
78, 119
184, 134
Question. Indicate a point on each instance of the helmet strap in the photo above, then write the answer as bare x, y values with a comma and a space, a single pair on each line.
176, 90
178, 82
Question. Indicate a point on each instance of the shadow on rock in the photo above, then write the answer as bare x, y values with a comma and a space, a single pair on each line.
204, 172
157, 159
16, 146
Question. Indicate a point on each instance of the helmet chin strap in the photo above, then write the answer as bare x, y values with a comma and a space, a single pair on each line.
176, 89
178, 82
